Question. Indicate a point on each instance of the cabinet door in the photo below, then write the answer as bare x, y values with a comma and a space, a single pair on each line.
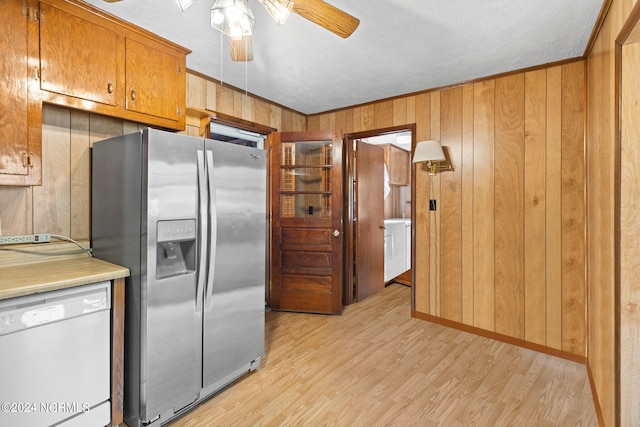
77, 57
155, 81
13, 80
398, 165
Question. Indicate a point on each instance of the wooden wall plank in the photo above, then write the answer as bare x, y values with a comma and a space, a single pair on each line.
534, 204
275, 117
573, 210
411, 110
225, 100
400, 112
53, 197
238, 104
313, 122
509, 198
341, 121
196, 91
212, 96
421, 229
484, 205
466, 169
630, 237
80, 220
327, 121
357, 119
434, 216
349, 120
15, 211
367, 117
451, 206
383, 114
553, 201
261, 111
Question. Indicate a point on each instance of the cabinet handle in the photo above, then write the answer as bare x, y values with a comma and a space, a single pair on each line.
27, 160
110, 87
133, 95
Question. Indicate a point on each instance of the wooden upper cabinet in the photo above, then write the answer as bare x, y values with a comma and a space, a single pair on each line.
20, 115
398, 163
77, 57
155, 81
93, 61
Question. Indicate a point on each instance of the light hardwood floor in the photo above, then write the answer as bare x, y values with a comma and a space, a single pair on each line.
376, 366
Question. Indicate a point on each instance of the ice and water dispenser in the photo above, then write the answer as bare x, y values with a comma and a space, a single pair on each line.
176, 248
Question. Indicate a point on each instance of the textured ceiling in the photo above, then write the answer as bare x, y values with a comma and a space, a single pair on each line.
401, 46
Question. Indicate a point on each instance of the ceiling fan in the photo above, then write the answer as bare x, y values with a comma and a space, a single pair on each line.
234, 18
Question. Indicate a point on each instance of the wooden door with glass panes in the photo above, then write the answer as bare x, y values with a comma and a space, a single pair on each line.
306, 209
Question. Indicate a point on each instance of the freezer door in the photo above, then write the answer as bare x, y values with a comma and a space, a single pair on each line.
234, 296
171, 326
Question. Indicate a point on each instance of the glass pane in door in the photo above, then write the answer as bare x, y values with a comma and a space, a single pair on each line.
305, 187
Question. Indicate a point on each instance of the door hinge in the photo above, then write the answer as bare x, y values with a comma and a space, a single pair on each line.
36, 73
32, 13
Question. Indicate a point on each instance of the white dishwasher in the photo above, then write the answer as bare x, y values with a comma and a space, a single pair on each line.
55, 366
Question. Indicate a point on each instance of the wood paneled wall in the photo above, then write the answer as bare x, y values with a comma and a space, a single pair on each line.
207, 94
62, 204
505, 251
601, 212
630, 237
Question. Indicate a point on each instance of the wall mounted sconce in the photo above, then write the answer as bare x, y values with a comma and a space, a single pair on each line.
432, 153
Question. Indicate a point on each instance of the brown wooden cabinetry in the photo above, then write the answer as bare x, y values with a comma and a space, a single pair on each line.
93, 61
155, 81
69, 53
20, 138
78, 57
397, 161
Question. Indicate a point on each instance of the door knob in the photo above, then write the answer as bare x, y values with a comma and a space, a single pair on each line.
336, 233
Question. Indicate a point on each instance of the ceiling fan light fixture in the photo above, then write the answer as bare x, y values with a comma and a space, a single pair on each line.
184, 4
278, 9
233, 18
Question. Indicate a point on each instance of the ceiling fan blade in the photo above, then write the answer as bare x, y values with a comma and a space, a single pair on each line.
241, 49
327, 16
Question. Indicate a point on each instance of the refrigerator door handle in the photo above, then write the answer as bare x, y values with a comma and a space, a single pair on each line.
213, 230
204, 232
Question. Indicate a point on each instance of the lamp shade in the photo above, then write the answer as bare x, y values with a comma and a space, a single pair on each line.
428, 151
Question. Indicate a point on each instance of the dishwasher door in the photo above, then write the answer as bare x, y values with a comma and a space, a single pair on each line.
56, 358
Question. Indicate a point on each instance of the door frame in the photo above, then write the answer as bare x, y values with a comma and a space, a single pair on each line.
349, 198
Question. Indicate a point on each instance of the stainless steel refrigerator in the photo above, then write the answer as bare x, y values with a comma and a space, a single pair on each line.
187, 216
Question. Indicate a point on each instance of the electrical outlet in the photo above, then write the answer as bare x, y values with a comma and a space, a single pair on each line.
28, 238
